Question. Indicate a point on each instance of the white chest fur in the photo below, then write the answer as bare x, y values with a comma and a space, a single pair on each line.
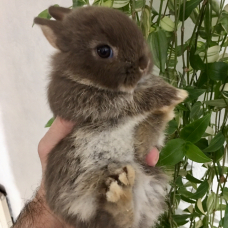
114, 143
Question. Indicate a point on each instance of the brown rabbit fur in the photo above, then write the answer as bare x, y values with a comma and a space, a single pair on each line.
97, 177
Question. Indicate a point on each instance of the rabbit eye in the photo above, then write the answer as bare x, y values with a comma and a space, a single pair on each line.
104, 51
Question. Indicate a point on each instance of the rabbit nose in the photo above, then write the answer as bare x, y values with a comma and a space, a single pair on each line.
143, 63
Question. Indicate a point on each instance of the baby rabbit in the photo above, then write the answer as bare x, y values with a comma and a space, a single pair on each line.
101, 79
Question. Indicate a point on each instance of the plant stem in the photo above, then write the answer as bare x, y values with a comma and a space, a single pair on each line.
151, 4
201, 20
182, 39
175, 31
166, 8
223, 41
132, 3
216, 198
160, 10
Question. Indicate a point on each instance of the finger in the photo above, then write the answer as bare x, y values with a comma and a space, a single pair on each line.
58, 130
152, 157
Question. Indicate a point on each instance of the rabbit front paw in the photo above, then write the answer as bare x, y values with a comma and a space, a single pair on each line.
119, 183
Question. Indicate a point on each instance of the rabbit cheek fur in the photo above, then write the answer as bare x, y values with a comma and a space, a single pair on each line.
96, 176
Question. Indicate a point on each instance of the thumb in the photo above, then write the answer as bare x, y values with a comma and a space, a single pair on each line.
59, 129
152, 157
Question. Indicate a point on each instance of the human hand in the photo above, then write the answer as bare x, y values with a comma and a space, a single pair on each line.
59, 129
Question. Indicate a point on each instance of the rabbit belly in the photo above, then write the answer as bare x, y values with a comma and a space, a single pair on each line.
77, 172
149, 199
104, 147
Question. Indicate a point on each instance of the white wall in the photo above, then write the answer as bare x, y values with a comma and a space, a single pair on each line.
24, 111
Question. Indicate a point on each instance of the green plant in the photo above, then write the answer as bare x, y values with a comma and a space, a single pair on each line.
199, 132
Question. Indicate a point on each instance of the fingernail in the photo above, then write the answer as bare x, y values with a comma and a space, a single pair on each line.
153, 157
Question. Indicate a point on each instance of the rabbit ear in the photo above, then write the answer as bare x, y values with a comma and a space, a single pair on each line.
52, 30
58, 12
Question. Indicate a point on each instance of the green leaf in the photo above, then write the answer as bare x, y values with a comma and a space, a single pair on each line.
106, 3
189, 7
217, 71
201, 191
182, 107
201, 47
216, 143
171, 5
196, 110
78, 3
223, 20
211, 203
225, 193
199, 207
204, 203
202, 143
221, 222
195, 61
159, 46
201, 82
172, 127
225, 220
216, 90
49, 123
207, 21
181, 219
218, 30
225, 169
194, 131
193, 179
167, 24
225, 59
190, 184
145, 21
198, 224
154, 12
185, 193
139, 4
193, 93
179, 50
183, 172
220, 103
215, 6
172, 153
97, 3
45, 14
194, 153
179, 182
217, 155
126, 10
194, 15
225, 94
120, 3
220, 170
186, 199
221, 207
225, 43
